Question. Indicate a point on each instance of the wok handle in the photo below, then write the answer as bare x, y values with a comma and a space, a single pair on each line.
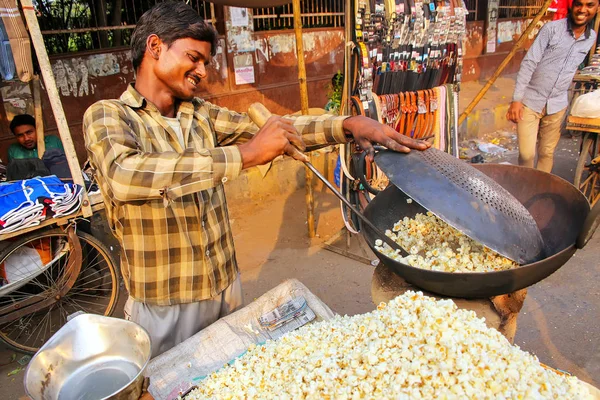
259, 114
590, 224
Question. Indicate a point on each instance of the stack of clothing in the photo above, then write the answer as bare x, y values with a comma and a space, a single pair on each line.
28, 202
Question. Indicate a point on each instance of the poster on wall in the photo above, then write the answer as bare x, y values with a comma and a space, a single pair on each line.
506, 30
239, 16
243, 67
492, 26
491, 43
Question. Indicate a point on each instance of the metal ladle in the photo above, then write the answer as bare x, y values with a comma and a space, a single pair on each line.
259, 114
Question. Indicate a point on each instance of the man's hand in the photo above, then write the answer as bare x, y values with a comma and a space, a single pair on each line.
277, 137
367, 131
515, 112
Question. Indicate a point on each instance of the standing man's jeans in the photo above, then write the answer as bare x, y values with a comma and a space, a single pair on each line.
540, 126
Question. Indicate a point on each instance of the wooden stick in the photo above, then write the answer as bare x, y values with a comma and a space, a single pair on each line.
39, 118
348, 26
310, 204
505, 62
59, 112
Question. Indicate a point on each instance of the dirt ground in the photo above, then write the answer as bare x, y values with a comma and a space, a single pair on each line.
558, 322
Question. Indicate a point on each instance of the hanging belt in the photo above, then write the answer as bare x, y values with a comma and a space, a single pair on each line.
425, 108
383, 107
393, 111
367, 72
433, 106
357, 106
372, 109
412, 113
400, 127
376, 114
421, 114
425, 131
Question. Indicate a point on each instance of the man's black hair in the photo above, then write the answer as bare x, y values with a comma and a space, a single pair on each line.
170, 21
22, 119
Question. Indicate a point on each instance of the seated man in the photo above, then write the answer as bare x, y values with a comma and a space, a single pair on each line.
23, 127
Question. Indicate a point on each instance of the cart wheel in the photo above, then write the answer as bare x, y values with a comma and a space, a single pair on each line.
587, 175
35, 266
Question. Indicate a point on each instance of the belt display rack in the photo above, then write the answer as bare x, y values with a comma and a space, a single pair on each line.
407, 64
405, 67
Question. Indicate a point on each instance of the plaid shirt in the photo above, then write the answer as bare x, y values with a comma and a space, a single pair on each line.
166, 203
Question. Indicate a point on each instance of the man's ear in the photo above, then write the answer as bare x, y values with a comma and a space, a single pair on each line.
153, 46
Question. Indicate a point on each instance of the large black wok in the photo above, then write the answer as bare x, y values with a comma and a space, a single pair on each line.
558, 208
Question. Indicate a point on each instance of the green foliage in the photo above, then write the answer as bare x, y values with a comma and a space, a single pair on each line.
334, 93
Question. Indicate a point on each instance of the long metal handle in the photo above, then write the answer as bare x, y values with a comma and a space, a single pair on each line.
259, 114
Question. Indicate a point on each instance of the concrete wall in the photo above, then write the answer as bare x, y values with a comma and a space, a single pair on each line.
85, 78
479, 65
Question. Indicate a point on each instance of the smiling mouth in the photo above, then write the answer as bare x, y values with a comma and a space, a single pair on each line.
193, 80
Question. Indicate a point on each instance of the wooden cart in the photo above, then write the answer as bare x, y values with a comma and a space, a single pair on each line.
587, 173
51, 270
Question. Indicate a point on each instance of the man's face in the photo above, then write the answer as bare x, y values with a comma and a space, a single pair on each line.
583, 11
26, 136
182, 66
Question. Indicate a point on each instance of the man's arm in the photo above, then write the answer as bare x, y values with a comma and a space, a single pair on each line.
259, 147
134, 175
528, 66
232, 127
531, 61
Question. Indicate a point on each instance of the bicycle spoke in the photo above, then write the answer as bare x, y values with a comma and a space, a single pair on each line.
13, 299
81, 301
86, 287
41, 326
92, 296
95, 289
89, 263
24, 325
62, 314
51, 307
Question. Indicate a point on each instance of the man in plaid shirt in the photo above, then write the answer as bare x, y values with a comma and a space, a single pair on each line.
161, 157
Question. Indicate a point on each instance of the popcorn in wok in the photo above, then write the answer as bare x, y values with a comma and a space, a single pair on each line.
433, 244
415, 347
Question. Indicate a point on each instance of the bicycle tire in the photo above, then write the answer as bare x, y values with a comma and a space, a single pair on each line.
104, 294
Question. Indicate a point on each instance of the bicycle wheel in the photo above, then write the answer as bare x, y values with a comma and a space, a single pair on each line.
34, 268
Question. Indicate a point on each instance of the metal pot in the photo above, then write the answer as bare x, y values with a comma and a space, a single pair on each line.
558, 208
91, 357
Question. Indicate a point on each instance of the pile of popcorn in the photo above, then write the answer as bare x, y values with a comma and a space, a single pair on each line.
433, 244
415, 347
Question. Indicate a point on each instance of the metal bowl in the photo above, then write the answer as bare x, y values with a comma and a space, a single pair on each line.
91, 357
558, 208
